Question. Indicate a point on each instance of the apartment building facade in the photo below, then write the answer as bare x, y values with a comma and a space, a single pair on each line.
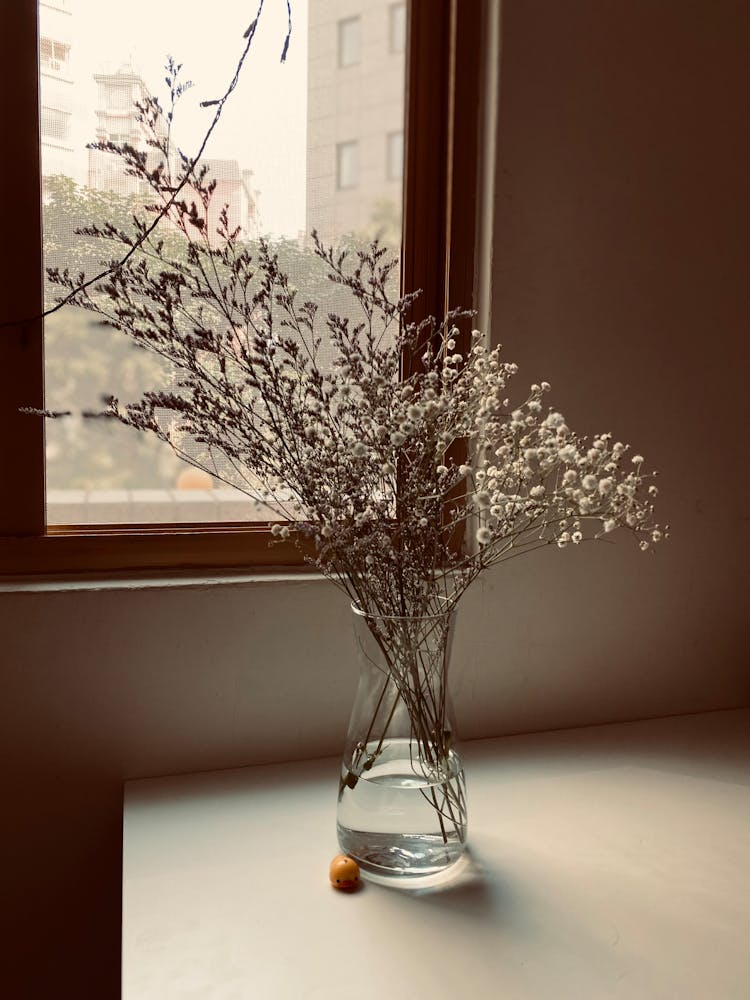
355, 118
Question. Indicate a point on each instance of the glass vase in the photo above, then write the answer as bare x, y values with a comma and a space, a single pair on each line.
402, 795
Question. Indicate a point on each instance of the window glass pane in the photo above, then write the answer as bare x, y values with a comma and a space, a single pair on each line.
55, 124
347, 165
349, 42
299, 147
395, 154
397, 17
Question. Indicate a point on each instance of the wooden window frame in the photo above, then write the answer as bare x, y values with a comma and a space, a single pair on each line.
441, 172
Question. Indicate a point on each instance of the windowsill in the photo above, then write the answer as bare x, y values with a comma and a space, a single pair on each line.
610, 860
170, 580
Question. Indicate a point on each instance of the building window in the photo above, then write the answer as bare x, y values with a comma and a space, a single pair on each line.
53, 55
55, 124
395, 156
347, 165
121, 97
349, 42
397, 27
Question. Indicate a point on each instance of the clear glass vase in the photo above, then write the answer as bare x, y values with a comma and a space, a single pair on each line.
402, 796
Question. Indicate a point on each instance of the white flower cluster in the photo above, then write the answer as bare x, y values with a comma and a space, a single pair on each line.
403, 489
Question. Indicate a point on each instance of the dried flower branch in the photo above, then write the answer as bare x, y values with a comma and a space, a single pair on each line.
305, 409
346, 424
131, 156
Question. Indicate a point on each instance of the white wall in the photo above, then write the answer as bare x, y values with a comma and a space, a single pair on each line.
151, 678
622, 213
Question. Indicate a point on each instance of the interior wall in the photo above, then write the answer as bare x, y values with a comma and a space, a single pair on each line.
620, 267
618, 275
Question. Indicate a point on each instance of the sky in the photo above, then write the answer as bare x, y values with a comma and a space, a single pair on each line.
263, 125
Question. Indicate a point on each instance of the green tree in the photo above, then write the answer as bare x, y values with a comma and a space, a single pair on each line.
87, 360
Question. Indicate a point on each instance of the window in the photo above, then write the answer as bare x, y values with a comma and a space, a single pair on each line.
348, 41
395, 156
55, 124
116, 96
53, 55
440, 35
397, 27
347, 165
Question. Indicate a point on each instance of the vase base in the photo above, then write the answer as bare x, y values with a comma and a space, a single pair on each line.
398, 857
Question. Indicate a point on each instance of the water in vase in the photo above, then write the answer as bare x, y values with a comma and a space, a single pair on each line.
400, 816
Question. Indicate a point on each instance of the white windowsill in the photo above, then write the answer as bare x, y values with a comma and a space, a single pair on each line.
611, 861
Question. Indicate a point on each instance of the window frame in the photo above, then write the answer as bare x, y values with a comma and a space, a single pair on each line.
440, 221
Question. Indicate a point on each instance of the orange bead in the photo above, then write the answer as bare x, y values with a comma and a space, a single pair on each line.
344, 873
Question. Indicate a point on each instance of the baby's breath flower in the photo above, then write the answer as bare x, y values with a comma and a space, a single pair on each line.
320, 433
554, 419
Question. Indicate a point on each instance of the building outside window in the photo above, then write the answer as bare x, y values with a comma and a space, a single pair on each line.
395, 156
348, 41
347, 165
397, 27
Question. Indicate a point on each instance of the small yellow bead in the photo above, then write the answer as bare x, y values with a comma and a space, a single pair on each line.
344, 873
